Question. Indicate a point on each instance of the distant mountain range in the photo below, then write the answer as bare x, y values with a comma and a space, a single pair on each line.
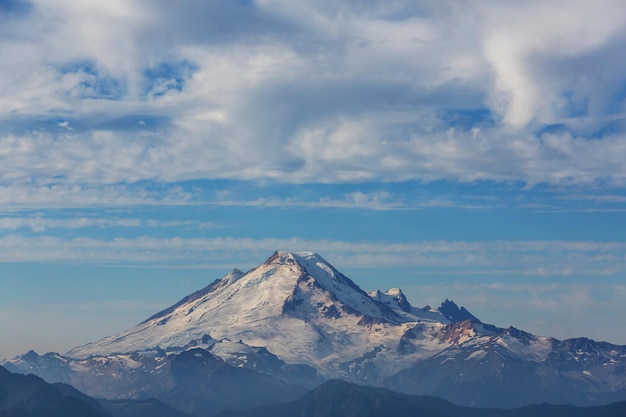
30, 396
270, 334
337, 398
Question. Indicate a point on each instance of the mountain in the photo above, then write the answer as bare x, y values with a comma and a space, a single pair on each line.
298, 307
193, 381
122, 408
265, 336
70, 391
491, 367
30, 396
337, 398
140, 408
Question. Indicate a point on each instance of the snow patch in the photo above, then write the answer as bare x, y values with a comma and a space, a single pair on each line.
477, 355
536, 350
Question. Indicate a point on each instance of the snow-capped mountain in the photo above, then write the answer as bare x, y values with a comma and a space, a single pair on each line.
488, 366
298, 307
297, 320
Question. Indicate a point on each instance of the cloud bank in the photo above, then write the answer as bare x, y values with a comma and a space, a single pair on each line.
568, 260
308, 91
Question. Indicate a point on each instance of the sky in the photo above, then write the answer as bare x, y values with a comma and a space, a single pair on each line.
464, 150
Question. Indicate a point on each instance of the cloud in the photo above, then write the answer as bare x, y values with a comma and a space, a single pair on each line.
377, 200
533, 259
308, 92
374, 200
39, 224
24, 195
344, 151
527, 43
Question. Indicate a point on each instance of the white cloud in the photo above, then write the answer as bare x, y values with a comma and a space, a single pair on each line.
524, 41
27, 195
39, 224
378, 200
310, 92
539, 259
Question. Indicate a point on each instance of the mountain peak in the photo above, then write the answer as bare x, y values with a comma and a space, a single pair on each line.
291, 293
394, 292
281, 257
312, 265
233, 276
392, 297
455, 314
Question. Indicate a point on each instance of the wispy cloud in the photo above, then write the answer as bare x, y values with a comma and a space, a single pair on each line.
380, 200
16, 197
597, 198
41, 224
495, 258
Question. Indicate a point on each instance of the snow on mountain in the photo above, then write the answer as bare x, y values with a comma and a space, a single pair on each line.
396, 299
486, 366
295, 304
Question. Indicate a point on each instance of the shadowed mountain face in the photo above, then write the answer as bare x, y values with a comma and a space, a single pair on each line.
122, 408
342, 399
194, 381
264, 336
491, 367
204, 384
30, 396
140, 408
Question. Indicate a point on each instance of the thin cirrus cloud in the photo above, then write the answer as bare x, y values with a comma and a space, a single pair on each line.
311, 92
555, 259
41, 224
16, 197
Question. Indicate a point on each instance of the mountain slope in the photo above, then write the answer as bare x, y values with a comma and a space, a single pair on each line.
339, 398
296, 304
140, 408
30, 396
194, 381
488, 366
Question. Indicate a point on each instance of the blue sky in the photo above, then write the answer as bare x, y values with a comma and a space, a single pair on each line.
466, 151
